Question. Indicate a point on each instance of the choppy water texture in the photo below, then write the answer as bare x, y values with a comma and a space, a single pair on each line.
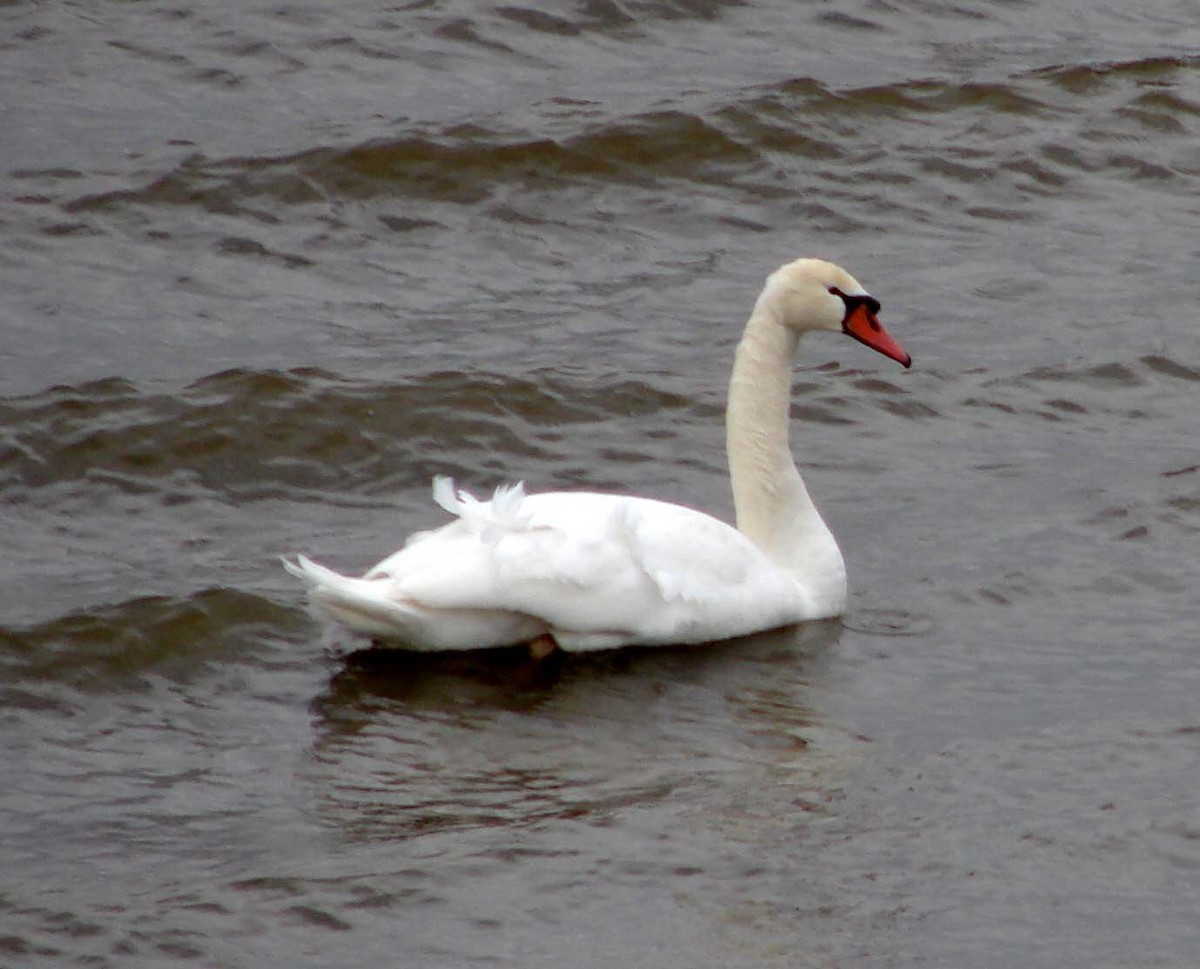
266, 268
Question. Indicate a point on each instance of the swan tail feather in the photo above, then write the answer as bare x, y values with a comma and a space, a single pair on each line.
370, 607
362, 605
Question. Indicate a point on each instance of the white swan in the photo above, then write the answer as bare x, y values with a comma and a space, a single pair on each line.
588, 571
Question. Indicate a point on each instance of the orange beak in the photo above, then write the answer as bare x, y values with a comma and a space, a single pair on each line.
862, 324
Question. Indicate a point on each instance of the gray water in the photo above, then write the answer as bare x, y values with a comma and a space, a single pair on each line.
265, 269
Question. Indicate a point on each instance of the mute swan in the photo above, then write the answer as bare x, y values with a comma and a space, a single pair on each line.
585, 571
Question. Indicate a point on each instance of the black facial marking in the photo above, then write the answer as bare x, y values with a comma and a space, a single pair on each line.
853, 302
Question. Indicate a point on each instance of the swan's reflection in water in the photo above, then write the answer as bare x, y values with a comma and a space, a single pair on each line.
410, 744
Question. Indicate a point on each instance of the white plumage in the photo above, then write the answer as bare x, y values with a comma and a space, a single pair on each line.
596, 571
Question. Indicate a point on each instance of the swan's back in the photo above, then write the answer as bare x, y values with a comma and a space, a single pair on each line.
592, 570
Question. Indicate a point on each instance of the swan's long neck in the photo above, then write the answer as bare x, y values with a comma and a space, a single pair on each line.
773, 506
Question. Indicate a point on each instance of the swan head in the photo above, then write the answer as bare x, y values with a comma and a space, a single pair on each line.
812, 294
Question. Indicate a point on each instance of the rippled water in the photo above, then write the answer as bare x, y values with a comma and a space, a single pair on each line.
266, 269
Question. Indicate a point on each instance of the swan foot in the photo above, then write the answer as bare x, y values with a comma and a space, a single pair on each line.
542, 646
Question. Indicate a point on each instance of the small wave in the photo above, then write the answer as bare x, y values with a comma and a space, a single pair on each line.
462, 165
794, 143
1086, 78
626, 19
1170, 368
465, 164
247, 435
117, 647
1089, 395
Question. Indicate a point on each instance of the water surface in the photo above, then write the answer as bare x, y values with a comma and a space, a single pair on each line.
265, 270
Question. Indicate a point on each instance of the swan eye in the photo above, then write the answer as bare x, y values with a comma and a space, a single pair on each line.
862, 299
853, 302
